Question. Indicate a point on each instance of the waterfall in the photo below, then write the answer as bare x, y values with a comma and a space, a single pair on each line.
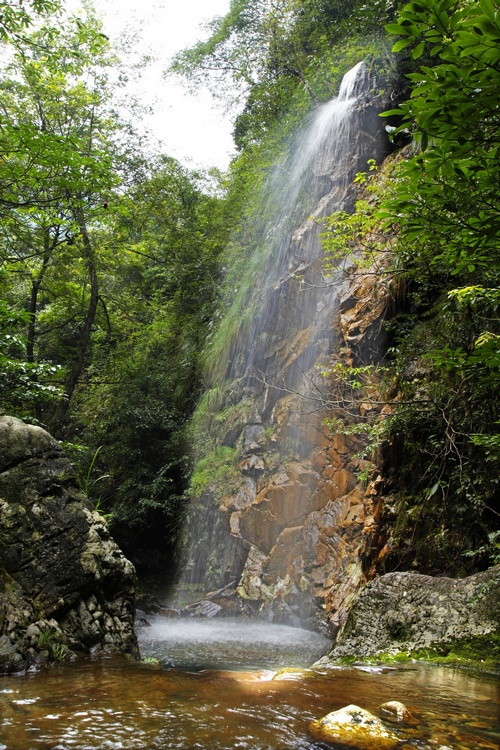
248, 527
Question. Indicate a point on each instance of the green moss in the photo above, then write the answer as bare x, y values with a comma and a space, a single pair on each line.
151, 662
481, 653
216, 472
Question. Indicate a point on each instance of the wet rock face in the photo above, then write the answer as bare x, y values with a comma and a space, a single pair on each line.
64, 584
404, 612
296, 530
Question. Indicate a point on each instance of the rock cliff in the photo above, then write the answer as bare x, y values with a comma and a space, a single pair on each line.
296, 520
64, 584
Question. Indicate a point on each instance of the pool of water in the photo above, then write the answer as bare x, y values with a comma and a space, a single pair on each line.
109, 703
229, 644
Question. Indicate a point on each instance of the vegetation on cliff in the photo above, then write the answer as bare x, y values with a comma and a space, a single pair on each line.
436, 214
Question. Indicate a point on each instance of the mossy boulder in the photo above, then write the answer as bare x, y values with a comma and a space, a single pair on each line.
417, 615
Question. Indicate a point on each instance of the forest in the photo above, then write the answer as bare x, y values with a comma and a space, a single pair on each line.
118, 264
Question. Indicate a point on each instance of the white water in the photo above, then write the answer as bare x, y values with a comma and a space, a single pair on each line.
228, 643
312, 180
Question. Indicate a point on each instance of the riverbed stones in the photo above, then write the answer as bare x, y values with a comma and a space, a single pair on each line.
64, 584
397, 711
355, 727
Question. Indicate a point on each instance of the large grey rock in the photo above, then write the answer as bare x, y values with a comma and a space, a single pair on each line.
404, 612
64, 583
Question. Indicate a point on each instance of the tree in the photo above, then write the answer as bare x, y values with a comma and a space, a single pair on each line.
57, 173
159, 283
15, 18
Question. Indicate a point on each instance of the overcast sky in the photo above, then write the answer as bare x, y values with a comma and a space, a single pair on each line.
194, 129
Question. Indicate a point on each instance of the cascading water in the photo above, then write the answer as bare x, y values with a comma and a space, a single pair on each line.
256, 525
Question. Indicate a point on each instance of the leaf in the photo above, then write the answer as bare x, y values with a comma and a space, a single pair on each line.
401, 44
394, 28
433, 490
417, 52
488, 9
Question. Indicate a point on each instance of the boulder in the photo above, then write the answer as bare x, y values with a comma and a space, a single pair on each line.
407, 612
64, 584
355, 727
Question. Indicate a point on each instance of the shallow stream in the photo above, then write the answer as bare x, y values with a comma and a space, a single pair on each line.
104, 703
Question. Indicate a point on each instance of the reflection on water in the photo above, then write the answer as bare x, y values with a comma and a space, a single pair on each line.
112, 704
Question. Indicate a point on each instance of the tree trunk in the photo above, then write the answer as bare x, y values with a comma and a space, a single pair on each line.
36, 283
78, 365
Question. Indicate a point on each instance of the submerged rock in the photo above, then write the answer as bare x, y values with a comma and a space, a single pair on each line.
205, 608
64, 584
355, 727
397, 711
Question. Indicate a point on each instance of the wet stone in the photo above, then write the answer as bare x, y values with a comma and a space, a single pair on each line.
205, 608
354, 727
397, 711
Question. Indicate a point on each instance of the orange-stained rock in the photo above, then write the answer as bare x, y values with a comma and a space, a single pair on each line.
309, 525
259, 526
285, 557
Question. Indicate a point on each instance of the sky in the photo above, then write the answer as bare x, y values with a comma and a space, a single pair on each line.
193, 128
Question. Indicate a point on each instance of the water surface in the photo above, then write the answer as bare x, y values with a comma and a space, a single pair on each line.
109, 703
229, 644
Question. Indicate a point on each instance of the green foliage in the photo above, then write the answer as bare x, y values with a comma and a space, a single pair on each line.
16, 18
216, 472
491, 549
282, 56
87, 483
22, 383
110, 276
446, 210
159, 285
50, 641
57, 169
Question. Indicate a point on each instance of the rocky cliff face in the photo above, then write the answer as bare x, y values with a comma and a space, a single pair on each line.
297, 520
64, 584
298, 533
